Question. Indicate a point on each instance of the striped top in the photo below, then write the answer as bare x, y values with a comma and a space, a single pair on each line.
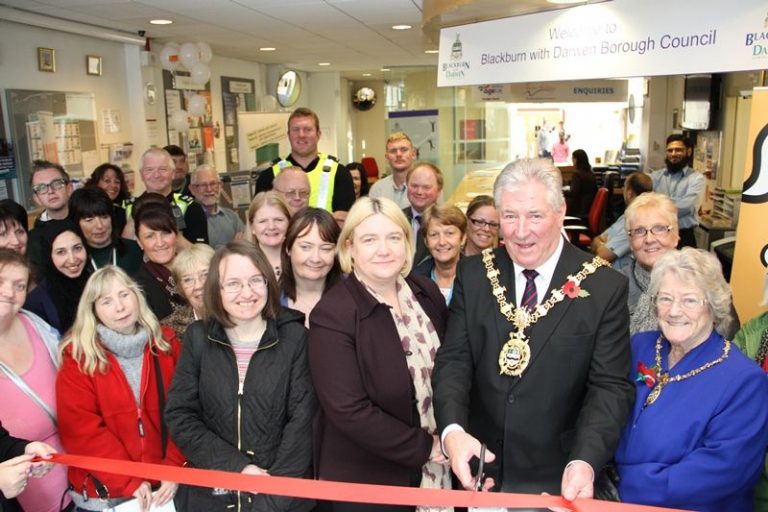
244, 350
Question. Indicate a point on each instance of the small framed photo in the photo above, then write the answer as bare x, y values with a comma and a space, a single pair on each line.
46, 60
93, 65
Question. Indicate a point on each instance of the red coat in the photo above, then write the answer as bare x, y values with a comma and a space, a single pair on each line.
98, 417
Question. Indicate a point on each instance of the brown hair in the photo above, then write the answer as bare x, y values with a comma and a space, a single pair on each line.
11, 257
271, 198
432, 167
304, 112
478, 202
212, 296
300, 224
445, 214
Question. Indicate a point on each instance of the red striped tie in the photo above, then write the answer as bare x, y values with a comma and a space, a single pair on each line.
529, 294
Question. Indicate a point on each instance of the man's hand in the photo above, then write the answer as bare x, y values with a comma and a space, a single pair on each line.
461, 447
578, 481
253, 469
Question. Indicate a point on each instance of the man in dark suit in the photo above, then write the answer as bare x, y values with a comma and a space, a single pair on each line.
534, 365
425, 184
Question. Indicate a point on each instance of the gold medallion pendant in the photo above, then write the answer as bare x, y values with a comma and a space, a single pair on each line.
515, 355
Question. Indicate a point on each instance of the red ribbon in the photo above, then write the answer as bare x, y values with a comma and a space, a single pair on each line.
339, 491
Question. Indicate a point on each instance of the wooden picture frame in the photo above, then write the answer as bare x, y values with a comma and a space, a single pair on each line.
93, 65
46, 60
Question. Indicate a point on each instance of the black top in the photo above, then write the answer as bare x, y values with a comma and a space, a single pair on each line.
581, 194
343, 187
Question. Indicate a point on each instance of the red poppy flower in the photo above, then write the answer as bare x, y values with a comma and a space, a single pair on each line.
646, 375
571, 290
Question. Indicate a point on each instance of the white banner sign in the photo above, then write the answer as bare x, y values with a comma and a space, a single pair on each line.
622, 38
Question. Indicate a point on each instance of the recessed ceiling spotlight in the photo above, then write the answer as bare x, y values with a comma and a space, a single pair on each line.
267, 49
160, 22
366, 74
323, 63
384, 69
431, 51
401, 27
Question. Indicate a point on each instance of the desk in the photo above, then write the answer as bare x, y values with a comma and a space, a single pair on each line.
472, 185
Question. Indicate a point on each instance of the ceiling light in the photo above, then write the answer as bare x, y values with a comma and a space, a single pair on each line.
566, 1
401, 27
266, 49
323, 63
160, 22
431, 51
366, 74
384, 69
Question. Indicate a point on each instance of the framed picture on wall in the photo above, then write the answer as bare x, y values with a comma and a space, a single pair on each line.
93, 65
46, 60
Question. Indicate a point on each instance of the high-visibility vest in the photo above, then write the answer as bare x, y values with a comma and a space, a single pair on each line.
321, 180
179, 206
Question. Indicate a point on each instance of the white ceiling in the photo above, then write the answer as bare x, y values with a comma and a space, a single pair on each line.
355, 36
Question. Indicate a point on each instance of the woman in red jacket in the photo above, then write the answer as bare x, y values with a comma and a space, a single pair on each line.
116, 368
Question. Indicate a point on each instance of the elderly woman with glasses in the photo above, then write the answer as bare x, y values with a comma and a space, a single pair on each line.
241, 398
189, 270
483, 225
697, 434
651, 222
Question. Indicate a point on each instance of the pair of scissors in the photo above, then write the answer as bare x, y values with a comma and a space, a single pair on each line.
479, 477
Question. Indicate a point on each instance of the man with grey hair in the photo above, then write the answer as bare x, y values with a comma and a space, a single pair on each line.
536, 358
293, 185
157, 169
224, 225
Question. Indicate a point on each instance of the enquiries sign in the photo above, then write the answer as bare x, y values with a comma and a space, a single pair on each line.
622, 38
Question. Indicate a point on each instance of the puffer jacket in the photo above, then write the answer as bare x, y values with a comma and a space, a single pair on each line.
275, 405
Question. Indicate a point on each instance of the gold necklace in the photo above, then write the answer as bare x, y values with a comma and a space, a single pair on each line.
516, 352
664, 378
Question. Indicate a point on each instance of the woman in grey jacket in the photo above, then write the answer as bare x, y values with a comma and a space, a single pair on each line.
242, 399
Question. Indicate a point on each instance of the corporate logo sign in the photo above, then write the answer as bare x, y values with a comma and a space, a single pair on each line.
456, 67
621, 38
757, 41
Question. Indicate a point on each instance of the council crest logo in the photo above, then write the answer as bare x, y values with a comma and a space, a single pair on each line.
456, 52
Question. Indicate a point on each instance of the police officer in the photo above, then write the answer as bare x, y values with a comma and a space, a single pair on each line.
330, 182
157, 170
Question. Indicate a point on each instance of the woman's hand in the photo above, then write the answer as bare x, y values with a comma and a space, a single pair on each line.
44, 451
436, 455
165, 493
143, 495
13, 475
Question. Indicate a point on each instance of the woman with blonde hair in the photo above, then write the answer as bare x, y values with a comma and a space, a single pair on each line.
189, 270
268, 217
117, 365
372, 343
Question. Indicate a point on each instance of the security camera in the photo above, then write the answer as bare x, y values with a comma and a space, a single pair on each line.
142, 33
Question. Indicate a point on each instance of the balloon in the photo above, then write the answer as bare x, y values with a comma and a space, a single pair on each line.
196, 105
200, 73
180, 120
189, 54
169, 56
206, 53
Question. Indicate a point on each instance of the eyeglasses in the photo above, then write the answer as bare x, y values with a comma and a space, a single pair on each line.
300, 194
43, 188
480, 223
656, 230
189, 281
687, 303
256, 283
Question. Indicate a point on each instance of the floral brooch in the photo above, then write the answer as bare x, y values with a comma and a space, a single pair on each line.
646, 374
571, 290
